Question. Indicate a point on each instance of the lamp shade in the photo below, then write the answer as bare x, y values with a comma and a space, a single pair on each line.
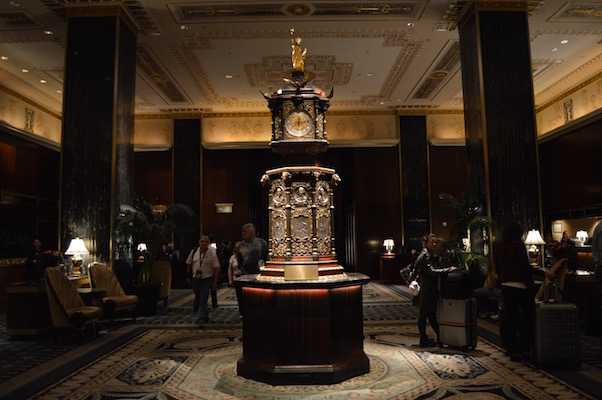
389, 245
76, 246
142, 247
582, 236
534, 237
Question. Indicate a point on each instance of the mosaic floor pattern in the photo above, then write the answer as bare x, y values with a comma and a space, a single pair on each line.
201, 364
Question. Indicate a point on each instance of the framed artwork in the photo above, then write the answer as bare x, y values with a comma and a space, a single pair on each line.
557, 227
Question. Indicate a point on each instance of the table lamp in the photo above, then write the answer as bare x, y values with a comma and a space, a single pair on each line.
389, 245
76, 249
582, 236
533, 239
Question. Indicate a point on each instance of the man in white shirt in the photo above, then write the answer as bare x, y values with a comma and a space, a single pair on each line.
202, 265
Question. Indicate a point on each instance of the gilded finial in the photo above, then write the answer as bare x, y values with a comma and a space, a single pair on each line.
298, 53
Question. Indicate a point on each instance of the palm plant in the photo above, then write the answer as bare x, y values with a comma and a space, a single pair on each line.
470, 226
152, 226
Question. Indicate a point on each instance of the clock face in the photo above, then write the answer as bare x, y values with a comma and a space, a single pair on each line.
299, 123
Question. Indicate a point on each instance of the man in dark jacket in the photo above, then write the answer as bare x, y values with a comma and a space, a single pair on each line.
428, 270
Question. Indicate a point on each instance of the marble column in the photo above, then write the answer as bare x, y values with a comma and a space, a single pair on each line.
98, 124
499, 111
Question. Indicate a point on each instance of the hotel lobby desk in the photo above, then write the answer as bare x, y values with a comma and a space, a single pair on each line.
302, 332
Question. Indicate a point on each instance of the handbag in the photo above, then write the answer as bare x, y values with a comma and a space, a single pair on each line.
414, 288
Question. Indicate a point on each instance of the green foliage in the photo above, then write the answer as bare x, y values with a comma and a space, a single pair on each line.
151, 226
467, 215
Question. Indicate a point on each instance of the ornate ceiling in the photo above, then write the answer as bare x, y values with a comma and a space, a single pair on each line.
198, 57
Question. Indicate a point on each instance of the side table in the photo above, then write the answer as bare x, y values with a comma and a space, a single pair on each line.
92, 296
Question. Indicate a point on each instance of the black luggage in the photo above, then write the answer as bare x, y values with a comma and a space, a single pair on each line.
457, 284
458, 322
557, 339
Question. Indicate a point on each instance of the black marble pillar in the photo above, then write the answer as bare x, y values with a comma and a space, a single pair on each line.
187, 181
414, 180
98, 125
499, 112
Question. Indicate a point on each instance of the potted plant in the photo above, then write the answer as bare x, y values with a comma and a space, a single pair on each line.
152, 226
467, 245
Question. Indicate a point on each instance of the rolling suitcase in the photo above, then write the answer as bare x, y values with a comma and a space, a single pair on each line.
458, 322
457, 284
557, 339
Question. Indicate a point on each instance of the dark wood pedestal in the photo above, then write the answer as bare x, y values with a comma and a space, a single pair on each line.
302, 332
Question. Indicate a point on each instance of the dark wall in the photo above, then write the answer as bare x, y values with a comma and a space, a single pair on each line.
153, 177
29, 185
571, 177
447, 164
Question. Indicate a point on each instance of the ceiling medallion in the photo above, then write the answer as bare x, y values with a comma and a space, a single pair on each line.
298, 10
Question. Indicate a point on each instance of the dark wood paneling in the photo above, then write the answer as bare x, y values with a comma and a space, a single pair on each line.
570, 173
152, 171
448, 175
187, 154
29, 181
225, 181
415, 180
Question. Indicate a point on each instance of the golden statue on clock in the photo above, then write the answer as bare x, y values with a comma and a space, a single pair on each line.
299, 123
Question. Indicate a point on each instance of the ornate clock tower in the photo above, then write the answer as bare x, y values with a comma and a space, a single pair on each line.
301, 242
302, 314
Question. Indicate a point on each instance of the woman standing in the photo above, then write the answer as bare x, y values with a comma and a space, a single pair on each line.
518, 288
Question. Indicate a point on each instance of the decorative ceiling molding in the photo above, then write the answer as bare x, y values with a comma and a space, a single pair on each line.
156, 74
594, 65
201, 12
575, 89
439, 74
579, 12
11, 20
407, 56
31, 92
194, 70
135, 8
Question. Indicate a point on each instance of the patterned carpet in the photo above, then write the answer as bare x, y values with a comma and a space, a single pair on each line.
168, 357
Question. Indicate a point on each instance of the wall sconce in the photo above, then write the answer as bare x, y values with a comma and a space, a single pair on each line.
533, 239
389, 245
223, 208
582, 236
76, 248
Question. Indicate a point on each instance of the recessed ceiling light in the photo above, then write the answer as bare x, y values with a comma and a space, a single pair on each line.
369, 74
47, 32
183, 27
410, 24
228, 76
564, 41
4, 58
59, 91
555, 49
24, 70
42, 81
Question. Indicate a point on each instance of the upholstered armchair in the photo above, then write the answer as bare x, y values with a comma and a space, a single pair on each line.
67, 309
161, 273
116, 301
